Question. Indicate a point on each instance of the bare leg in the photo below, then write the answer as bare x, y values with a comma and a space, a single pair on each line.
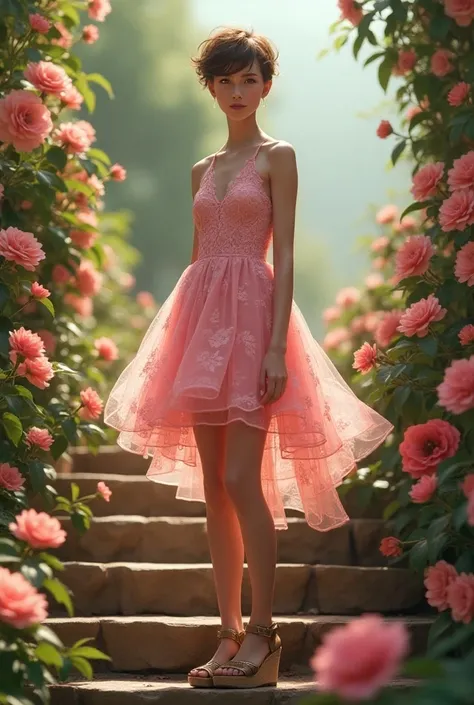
224, 536
245, 446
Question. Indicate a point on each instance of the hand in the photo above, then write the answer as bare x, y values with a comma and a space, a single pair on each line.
273, 377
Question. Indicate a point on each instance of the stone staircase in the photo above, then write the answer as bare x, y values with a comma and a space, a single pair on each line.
143, 590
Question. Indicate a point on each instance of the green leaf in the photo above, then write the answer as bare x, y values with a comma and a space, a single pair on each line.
4, 295
50, 179
422, 668
23, 391
74, 491
398, 151
101, 81
48, 304
89, 652
13, 427
391, 509
44, 633
381, 5
60, 594
57, 157
37, 473
52, 561
418, 206
428, 345
69, 427
385, 72
100, 155
445, 646
418, 555
439, 27
82, 666
65, 370
60, 446
419, 118
439, 627
49, 654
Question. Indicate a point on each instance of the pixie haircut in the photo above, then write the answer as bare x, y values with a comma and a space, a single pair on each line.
230, 50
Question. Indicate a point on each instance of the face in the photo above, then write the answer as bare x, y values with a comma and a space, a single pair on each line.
239, 94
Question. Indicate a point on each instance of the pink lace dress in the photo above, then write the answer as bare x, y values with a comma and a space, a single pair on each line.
200, 360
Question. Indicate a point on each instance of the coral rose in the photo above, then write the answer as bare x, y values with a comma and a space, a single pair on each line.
348, 297
457, 211
406, 61
426, 445
81, 304
406, 223
118, 172
425, 181
47, 77
40, 437
387, 328
66, 39
83, 239
350, 11
462, 11
460, 596
374, 280
412, 111
413, 257
417, 319
104, 490
145, 299
21, 605
456, 391
24, 121
39, 24
90, 34
387, 214
10, 477
384, 129
107, 349
60, 274
48, 339
71, 98
437, 580
462, 174
466, 335
99, 9
331, 314
365, 358
38, 371
358, 659
21, 247
88, 280
73, 138
92, 404
379, 244
25, 343
38, 529
391, 547
458, 94
441, 63
464, 268
335, 338
39, 291
467, 485
423, 490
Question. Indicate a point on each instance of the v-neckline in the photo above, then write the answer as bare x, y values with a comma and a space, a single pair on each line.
231, 182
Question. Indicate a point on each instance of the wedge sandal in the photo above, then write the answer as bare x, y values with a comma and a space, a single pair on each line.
212, 665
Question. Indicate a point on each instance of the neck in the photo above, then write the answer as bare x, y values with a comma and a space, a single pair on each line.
243, 133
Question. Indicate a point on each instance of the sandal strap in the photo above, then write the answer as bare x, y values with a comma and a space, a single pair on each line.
209, 667
267, 632
247, 668
231, 634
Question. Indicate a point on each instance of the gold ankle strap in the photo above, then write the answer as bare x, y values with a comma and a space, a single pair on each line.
267, 632
231, 634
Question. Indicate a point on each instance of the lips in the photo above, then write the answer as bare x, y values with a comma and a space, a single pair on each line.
237, 106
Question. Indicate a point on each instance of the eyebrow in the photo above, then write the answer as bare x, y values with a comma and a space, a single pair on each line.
249, 74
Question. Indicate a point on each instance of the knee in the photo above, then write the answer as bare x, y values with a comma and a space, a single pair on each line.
214, 490
235, 485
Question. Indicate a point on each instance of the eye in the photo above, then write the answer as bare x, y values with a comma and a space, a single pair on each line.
224, 80
252, 80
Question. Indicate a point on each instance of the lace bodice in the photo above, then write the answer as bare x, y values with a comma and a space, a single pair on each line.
238, 225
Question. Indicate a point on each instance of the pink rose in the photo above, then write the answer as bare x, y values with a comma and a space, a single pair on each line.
47, 77
73, 138
365, 358
379, 263
384, 130
441, 63
107, 349
39, 24
118, 173
458, 94
371, 320
145, 299
464, 268
127, 280
104, 490
417, 319
374, 280
466, 335
462, 174
335, 338
71, 98
413, 257
60, 274
426, 445
38, 529
11, 478
437, 580
456, 391
88, 280
350, 11
83, 239
90, 34
48, 339
387, 328
66, 39
92, 404
40, 437
348, 297
331, 314
423, 490
81, 304
38, 371
467, 485
88, 217
99, 9
21, 605
379, 244
406, 223
406, 61
412, 111
457, 211
39, 291
21, 247
425, 181
24, 121
391, 547
88, 129
460, 595
355, 661
25, 343
462, 11
387, 214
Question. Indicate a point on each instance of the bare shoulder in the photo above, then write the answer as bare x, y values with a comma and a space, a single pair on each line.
198, 170
281, 152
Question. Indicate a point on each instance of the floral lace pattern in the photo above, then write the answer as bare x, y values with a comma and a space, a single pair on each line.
200, 362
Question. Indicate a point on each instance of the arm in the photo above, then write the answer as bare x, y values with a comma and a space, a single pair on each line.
284, 186
196, 175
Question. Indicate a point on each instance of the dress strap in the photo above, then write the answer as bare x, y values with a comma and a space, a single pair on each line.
257, 151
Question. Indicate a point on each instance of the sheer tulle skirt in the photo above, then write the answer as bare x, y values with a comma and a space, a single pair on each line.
200, 361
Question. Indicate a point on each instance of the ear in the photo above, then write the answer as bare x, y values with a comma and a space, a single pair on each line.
210, 85
267, 86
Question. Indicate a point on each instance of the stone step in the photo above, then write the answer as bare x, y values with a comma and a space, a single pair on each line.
169, 690
184, 539
137, 495
188, 589
176, 644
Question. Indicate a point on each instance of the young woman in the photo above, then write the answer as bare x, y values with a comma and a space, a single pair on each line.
229, 392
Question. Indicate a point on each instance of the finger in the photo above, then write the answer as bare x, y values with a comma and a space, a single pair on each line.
277, 392
262, 380
269, 391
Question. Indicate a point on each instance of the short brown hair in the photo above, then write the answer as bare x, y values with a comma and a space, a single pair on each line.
230, 49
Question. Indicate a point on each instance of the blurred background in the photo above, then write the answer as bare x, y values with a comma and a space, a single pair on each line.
161, 122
